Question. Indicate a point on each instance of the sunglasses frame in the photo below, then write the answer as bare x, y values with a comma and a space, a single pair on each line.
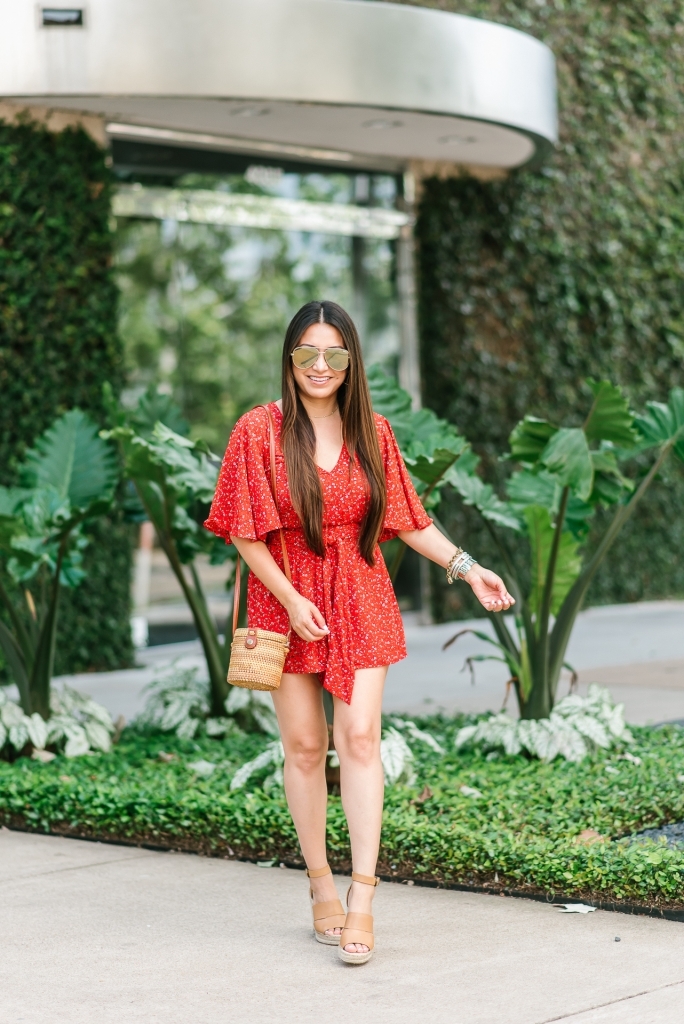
324, 353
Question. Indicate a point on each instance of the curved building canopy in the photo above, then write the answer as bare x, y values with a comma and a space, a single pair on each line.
350, 82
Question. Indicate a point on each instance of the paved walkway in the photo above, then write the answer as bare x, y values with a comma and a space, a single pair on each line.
636, 650
97, 934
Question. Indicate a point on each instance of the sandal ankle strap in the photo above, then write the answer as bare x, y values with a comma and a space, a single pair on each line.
366, 879
319, 872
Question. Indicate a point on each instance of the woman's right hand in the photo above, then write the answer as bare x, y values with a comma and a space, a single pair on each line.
305, 619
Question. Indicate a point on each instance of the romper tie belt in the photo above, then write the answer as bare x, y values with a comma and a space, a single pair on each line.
340, 543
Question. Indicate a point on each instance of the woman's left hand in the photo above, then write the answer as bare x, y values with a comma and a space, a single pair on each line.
489, 589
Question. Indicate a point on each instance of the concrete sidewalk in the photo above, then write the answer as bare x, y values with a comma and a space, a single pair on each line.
98, 934
637, 650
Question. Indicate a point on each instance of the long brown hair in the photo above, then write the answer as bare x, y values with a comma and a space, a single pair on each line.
298, 439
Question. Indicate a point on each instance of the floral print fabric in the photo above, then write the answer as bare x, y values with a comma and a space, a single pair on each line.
357, 601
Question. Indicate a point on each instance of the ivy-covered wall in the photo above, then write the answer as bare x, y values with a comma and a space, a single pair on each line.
530, 284
58, 344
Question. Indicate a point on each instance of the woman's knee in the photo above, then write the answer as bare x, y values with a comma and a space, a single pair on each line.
306, 752
359, 743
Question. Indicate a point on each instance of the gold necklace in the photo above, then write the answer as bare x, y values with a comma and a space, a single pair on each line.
326, 417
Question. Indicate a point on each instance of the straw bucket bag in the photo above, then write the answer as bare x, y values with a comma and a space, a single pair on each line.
257, 656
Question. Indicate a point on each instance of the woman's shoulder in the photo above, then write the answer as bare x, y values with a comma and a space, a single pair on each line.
255, 422
383, 427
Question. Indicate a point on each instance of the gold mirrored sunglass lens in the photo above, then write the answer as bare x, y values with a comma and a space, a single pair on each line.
337, 358
304, 357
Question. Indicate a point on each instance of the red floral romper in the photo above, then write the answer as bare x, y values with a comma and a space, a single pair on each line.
357, 601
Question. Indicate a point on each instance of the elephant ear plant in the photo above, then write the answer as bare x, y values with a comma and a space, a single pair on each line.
66, 480
565, 474
562, 475
174, 480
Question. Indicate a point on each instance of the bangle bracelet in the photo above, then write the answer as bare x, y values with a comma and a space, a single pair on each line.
465, 567
459, 566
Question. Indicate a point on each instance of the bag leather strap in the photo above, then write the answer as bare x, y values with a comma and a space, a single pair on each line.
274, 492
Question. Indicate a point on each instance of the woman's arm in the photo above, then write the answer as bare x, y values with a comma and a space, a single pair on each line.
305, 618
488, 588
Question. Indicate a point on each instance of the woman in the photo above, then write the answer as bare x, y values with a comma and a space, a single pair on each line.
342, 487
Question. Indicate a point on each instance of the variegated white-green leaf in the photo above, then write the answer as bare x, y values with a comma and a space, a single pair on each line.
237, 699
397, 758
273, 754
216, 726
77, 743
410, 727
18, 736
11, 714
187, 728
37, 730
575, 724
98, 735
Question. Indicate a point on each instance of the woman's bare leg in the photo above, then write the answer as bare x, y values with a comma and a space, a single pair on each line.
357, 741
299, 707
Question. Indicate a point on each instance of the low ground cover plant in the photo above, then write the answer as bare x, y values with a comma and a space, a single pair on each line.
465, 816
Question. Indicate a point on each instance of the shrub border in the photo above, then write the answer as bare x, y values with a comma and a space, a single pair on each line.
15, 823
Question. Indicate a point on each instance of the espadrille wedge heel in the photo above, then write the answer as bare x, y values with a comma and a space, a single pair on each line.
326, 916
358, 928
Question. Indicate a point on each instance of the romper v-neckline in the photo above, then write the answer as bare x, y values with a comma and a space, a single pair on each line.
328, 472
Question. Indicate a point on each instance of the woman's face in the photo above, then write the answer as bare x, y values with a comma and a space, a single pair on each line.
319, 380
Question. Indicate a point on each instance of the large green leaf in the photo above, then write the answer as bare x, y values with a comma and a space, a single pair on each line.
609, 418
568, 563
391, 401
609, 483
476, 492
541, 488
10, 499
430, 445
664, 423
172, 462
74, 461
567, 456
418, 432
154, 408
529, 439
432, 468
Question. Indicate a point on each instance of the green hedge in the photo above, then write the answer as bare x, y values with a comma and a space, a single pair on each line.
521, 832
58, 342
531, 284
96, 616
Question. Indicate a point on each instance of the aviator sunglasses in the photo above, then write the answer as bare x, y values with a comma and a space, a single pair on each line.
305, 356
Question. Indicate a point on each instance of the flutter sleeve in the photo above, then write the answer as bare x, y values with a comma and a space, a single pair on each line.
404, 508
243, 504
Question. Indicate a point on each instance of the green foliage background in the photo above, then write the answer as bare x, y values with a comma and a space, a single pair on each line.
530, 284
58, 344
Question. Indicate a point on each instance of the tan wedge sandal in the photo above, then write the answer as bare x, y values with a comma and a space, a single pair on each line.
328, 915
358, 927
